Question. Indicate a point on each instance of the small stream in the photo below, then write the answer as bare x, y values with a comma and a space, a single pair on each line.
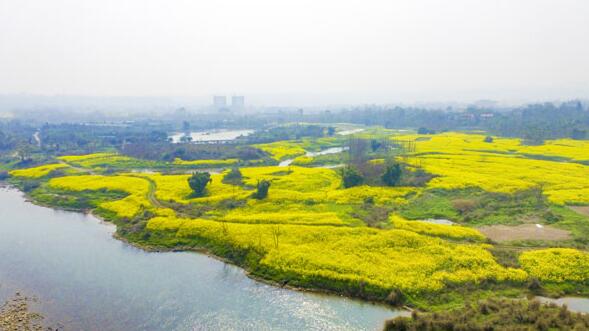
331, 150
580, 305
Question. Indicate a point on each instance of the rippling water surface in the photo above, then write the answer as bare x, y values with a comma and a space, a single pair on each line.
88, 280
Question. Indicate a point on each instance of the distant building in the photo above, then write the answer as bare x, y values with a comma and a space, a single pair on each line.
237, 102
220, 102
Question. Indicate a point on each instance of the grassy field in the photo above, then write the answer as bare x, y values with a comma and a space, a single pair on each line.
374, 242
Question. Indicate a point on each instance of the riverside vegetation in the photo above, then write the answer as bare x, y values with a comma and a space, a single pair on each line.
369, 236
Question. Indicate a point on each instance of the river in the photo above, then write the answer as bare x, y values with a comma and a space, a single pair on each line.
331, 150
87, 280
211, 136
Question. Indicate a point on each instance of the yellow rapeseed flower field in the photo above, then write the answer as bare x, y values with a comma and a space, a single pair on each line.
281, 150
382, 258
307, 226
556, 264
212, 163
441, 230
37, 172
137, 188
462, 160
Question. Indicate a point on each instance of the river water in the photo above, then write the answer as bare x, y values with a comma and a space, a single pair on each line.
211, 136
87, 280
331, 150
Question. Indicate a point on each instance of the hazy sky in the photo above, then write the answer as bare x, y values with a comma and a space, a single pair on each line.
337, 51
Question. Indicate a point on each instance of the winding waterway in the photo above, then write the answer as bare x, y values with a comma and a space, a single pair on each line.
211, 136
331, 150
87, 280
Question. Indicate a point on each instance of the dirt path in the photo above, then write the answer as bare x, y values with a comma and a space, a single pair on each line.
583, 210
85, 170
524, 232
151, 193
153, 200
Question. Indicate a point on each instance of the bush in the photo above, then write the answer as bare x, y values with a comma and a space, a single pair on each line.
464, 205
425, 131
233, 177
198, 183
495, 314
262, 189
351, 177
29, 185
392, 174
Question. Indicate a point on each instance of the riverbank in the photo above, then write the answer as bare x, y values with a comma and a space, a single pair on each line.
134, 232
15, 315
312, 233
63, 256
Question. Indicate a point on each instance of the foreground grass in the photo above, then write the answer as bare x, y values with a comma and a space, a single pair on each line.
495, 314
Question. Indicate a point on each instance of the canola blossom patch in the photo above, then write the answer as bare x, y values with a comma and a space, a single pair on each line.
281, 150
556, 264
385, 259
440, 230
39, 171
137, 188
462, 161
211, 163
309, 231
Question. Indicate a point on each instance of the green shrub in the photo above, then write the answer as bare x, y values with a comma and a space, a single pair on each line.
351, 177
198, 183
233, 177
392, 174
262, 189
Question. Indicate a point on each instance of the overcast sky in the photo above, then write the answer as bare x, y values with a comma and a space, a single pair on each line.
334, 51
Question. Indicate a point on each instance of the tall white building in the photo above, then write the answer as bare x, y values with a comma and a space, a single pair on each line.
219, 102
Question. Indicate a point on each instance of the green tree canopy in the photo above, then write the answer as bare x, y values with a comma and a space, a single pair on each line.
233, 177
392, 174
262, 189
198, 183
351, 177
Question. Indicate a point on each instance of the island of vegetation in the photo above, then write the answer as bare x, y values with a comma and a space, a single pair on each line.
431, 221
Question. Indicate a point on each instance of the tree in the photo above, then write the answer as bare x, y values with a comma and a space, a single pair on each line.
262, 189
233, 177
423, 130
375, 145
351, 177
186, 138
198, 183
24, 152
392, 174
578, 134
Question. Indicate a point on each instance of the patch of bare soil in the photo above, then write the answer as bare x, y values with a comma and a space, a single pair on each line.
583, 210
524, 232
16, 316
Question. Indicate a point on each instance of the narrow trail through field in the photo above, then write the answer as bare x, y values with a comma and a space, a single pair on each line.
583, 210
501, 233
80, 169
153, 200
151, 193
